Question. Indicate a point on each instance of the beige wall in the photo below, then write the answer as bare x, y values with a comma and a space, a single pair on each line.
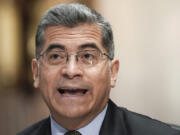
9, 43
147, 39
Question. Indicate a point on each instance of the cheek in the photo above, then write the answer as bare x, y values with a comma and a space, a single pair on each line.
47, 78
100, 78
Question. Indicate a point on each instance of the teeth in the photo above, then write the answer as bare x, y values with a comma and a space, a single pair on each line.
71, 91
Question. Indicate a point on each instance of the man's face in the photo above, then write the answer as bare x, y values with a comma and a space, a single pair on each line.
85, 89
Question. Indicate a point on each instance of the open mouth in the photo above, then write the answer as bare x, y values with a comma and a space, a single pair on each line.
75, 92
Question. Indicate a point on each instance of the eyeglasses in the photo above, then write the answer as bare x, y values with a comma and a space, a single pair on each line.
85, 57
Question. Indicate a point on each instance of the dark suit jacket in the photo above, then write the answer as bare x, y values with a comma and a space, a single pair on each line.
118, 121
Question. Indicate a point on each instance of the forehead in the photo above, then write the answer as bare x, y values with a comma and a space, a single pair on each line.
72, 38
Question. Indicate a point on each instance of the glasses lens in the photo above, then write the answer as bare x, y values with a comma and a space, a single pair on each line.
55, 57
88, 57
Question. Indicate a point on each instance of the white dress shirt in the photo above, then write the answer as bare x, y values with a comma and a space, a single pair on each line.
91, 128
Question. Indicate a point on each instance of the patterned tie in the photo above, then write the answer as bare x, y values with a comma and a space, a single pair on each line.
74, 132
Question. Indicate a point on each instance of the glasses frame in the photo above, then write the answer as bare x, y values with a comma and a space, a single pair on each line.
75, 54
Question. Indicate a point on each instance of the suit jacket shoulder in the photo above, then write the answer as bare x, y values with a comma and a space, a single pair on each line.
40, 128
140, 124
117, 121
120, 121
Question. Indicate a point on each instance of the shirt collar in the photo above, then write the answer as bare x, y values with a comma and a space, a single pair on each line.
91, 128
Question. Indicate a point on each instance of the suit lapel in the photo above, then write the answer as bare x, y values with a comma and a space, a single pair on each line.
45, 128
113, 123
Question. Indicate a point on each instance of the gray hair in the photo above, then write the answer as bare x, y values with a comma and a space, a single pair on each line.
71, 15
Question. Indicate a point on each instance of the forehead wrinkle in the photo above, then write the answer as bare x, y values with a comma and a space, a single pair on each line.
79, 35
72, 36
91, 31
67, 35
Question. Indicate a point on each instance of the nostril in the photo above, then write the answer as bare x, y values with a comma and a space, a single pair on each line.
71, 76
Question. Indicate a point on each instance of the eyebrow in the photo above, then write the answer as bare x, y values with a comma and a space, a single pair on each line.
56, 45
90, 45
83, 46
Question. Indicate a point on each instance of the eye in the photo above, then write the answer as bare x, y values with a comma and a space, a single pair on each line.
88, 56
55, 57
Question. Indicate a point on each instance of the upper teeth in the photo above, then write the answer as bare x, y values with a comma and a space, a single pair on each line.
62, 91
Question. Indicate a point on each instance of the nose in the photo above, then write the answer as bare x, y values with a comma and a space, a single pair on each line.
72, 69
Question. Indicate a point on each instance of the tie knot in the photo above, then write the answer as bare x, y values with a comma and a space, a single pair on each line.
74, 132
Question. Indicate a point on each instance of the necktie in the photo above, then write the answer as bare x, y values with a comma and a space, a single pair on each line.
74, 132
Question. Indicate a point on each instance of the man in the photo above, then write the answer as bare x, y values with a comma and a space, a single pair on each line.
75, 70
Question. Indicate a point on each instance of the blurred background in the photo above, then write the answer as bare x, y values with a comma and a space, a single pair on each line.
147, 41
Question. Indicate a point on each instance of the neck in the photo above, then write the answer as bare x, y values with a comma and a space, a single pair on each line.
70, 123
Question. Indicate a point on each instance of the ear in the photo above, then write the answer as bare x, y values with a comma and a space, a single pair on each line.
114, 72
35, 71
